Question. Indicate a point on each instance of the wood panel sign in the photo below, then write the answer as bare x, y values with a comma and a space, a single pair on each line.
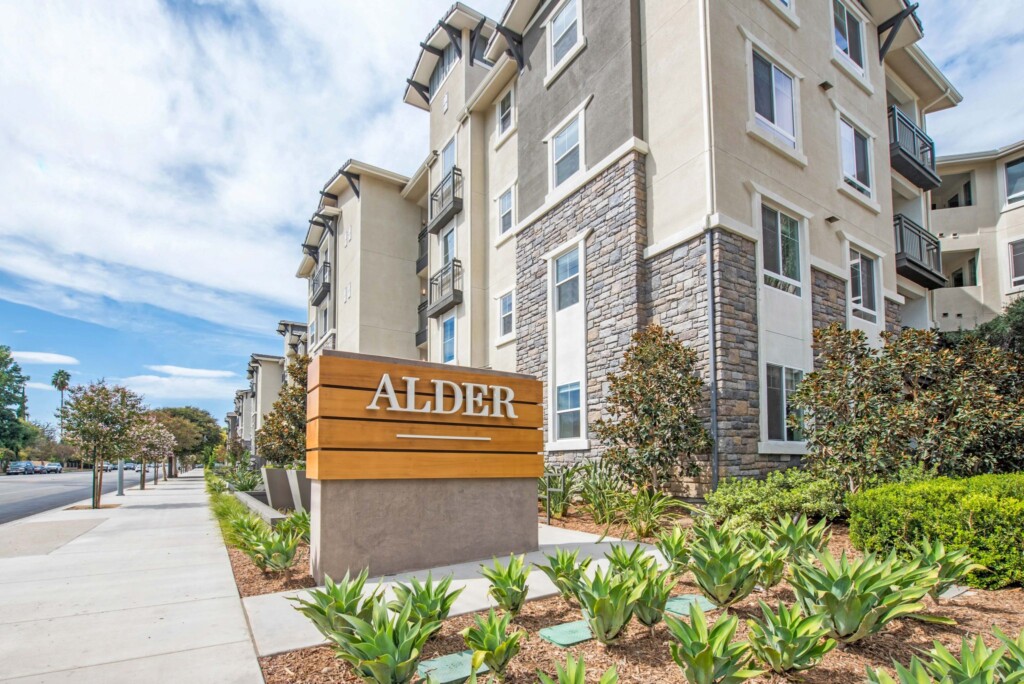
374, 418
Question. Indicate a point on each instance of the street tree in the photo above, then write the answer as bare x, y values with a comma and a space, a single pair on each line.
14, 431
153, 443
282, 438
61, 380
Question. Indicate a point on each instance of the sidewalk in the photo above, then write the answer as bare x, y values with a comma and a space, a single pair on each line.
142, 592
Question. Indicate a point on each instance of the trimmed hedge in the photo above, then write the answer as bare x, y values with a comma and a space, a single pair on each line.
789, 492
983, 514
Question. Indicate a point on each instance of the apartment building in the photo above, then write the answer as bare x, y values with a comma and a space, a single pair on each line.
266, 377
739, 172
978, 214
295, 340
242, 418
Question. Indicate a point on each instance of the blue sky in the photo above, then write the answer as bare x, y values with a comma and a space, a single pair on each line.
158, 162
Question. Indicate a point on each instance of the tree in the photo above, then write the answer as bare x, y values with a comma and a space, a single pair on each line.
100, 420
1006, 330
45, 447
14, 431
153, 443
61, 380
653, 402
195, 431
282, 438
870, 413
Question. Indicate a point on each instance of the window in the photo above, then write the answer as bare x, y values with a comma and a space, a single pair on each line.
448, 339
324, 322
1015, 181
506, 327
856, 150
967, 275
849, 34
774, 103
447, 159
862, 286
968, 194
312, 330
1017, 263
566, 152
567, 280
505, 212
567, 411
447, 246
505, 116
564, 32
443, 67
781, 250
782, 382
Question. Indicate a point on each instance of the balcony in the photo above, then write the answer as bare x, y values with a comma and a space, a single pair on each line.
911, 151
320, 286
422, 260
918, 254
445, 201
445, 289
421, 329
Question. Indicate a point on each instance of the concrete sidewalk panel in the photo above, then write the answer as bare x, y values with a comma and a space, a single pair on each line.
40, 538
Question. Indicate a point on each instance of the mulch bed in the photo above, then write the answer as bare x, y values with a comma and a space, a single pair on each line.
643, 659
252, 581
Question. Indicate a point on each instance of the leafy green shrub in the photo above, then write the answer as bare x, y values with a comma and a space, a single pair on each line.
645, 511
214, 484
982, 515
859, 598
565, 482
430, 602
384, 649
565, 571
575, 672
674, 546
783, 493
725, 568
786, 641
508, 582
599, 486
657, 588
797, 536
298, 523
491, 642
608, 600
328, 606
709, 656
953, 565
621, 560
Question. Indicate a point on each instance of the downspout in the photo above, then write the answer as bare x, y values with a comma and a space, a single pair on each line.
709, 236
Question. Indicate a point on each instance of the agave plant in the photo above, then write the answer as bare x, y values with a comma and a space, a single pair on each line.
297, 522
798, 537
1013, 661
491, 643
337, 599
915, 674
952, 565
508, 582
430, 602
658, 586
773, 558
575, 672
723, 565
858, 598
246, 529
622, 560
566, 485
647, 510
976, 665
709, 656
384, 649
600, 486
608, 601
786, 641
674, 546
564, 571
274, 552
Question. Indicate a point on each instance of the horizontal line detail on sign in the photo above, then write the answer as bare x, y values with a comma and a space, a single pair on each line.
461, 439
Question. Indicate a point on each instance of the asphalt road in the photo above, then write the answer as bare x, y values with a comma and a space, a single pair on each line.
24, 495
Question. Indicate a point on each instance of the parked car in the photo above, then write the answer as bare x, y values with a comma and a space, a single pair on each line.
54, 467
39, 468
108, 467
20, 468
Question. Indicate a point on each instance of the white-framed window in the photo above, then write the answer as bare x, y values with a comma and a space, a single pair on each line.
864, 285
567, 279
849, 33
443, 67
855, 146
564, 33
448, 338
567, 411
312, 330
506, 315
781, 383
506, 112
780, 240
1015, 181
505, 217
774, 99
1017, 263
325, 315
448, 246
565, 152
448, 158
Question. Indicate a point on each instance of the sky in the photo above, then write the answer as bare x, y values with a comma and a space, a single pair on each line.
159, 161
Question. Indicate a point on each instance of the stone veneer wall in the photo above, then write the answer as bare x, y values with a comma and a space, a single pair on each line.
828, 299
893, 316
614, 206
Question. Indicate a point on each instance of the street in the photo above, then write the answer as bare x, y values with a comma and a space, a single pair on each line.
24, 495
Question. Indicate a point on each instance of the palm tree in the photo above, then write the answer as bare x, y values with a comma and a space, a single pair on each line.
61, 381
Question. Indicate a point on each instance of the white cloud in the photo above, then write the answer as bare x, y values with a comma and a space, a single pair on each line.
182, 372
179, 387
44, 358
40, 386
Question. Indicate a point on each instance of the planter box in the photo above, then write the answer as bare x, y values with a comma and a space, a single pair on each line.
300, 487
279, 494
256, 504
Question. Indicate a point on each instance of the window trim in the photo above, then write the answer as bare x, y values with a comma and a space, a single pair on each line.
801, 242
756, 130
502, 136
1015, 201
578, 409
798, 443
1016, 280
579, 113
455, 339
510, 189
869, 201
758, 117
879, 310
555, 70
501, 339
558, 283
785, 9
857, 73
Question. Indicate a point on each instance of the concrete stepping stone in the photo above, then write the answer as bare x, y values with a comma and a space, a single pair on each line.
680, 605
568, 634
453, 668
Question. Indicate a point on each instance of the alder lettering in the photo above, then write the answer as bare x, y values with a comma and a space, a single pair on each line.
471, 399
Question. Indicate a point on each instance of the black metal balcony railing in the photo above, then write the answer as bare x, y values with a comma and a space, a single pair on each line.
320, 286
445, 200
423, 258
911, 151
445, 288
918, 253
421, 329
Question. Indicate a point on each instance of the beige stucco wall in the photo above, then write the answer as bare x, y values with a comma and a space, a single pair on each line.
346, 315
